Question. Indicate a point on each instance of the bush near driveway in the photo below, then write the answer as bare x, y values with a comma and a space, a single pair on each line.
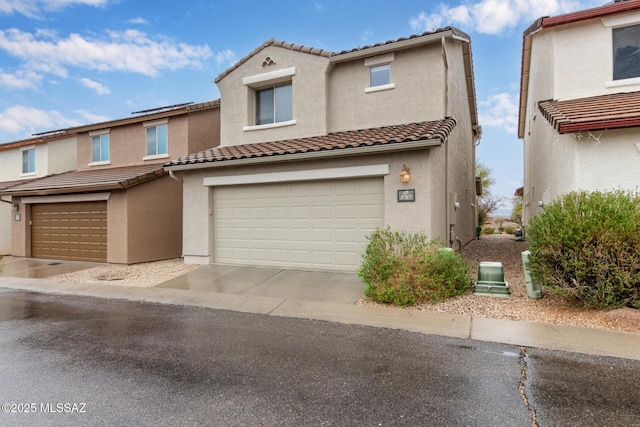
586, 247
408, 269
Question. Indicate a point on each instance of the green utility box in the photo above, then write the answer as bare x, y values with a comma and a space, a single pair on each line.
491, 280
533, 287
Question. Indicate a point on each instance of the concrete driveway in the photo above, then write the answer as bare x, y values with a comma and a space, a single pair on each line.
271, 282
33, 268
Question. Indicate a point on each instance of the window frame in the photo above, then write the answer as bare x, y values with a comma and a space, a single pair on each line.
275, 110
101, 135
155, 125
30, 152
617, 70
378, 62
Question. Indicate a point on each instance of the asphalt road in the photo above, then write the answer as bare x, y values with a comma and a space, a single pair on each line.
84, 361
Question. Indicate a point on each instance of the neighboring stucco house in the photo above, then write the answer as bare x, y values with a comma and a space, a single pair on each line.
312, 147
28, 159
580, 103
119, 205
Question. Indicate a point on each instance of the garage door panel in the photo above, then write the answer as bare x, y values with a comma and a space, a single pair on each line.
72, 231
317, 225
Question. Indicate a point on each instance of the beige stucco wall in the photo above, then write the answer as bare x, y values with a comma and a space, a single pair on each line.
51, 157
561, 69
309, 97
203, 132
418, 94
6, 217
128, 144
418, 216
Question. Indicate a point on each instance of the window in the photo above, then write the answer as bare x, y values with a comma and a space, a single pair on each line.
157, 140
274, 104
29, 161
626, 52
380, 75
100, 148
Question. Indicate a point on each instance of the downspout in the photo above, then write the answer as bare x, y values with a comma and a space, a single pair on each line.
445, 106
174, 177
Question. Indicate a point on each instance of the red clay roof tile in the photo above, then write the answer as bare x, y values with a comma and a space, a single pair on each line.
618, 110
434, 130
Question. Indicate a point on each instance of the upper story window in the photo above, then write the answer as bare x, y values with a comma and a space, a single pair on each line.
380, 75
274, 104
157, 140
626, 52
100, 148
29, 161
379, 72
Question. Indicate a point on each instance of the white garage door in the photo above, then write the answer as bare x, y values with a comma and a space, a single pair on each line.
315, 225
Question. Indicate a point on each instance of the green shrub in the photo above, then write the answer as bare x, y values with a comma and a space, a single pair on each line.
586, 246
509, 229
488, 230
407, 269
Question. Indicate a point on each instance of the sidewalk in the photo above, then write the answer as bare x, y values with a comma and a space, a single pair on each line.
555, 337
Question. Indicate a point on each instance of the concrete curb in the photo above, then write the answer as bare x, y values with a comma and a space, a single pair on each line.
592, 341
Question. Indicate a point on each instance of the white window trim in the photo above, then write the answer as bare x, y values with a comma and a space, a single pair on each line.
22, 150
269, 126
155, 123
99, 132
100, 163
379, 60
269, 77
624, 82
621, 21
303, 175
380, 88
156, 156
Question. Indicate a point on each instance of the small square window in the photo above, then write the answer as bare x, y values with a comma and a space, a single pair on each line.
29, 161
380, 75
157, 140
626, 52
100, 148
274, 104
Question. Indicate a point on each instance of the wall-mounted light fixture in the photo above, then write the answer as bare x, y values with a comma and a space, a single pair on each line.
15, 207
404, 175
540, 204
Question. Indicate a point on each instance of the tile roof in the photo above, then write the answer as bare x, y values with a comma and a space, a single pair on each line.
425, 131
87, 180
6, 184
327, 53
583, 15
618, 110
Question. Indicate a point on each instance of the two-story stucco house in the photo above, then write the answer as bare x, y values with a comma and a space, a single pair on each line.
28, 159
119, 205
319, 148
580, 103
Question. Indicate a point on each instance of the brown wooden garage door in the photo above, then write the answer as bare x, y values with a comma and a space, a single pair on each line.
71, 231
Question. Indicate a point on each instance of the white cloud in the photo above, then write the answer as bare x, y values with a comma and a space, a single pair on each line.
36, 8
20, 80
89, 117
500, 110
495, 16
225, 56
318, 6
124, 51
98, 87
138, 20
367, 36
20, 119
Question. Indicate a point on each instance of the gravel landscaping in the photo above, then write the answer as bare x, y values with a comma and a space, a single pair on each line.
502, 248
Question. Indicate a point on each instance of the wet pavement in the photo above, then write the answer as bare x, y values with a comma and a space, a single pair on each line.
126, 363
271, 282
41, 268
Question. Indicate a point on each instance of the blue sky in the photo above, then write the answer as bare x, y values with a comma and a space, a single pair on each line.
70, 62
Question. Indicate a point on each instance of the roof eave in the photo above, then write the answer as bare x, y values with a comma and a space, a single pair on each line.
343, 152
395, 46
